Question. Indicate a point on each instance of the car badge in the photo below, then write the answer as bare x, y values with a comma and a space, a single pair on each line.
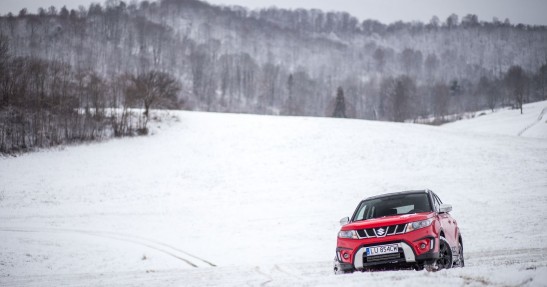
381, 231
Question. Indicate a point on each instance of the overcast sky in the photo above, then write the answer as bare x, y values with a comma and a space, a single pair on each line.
386, 11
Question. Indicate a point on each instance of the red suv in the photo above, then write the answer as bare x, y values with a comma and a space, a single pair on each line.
410, 229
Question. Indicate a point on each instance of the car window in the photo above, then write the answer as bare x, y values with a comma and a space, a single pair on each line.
435, 202
439, 202
393, 205
361, 211
405, 209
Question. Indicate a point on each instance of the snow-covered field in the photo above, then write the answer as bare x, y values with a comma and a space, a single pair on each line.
242, 200
532, 123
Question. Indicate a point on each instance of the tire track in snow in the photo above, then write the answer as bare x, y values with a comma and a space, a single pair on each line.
478, 280
149, 243
179, 250
282, 270
270, 278
310, 274
540, 117
509, 256
153, 241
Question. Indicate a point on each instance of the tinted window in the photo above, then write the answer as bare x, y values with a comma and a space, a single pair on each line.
393, 205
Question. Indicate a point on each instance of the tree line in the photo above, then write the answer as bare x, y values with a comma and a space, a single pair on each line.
401, 99
48, 103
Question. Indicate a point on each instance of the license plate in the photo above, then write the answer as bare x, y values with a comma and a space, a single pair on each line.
382, 249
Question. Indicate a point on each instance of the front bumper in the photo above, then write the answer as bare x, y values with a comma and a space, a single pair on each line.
415, 248
405, 254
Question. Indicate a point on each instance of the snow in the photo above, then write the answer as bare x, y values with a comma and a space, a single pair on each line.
260, 198
531, 123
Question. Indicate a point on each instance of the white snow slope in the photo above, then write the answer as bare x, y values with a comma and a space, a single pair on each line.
260, 198
532, 123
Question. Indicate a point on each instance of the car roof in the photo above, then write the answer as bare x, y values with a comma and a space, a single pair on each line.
398, 193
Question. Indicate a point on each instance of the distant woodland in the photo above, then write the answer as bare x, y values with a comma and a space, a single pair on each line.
95, 72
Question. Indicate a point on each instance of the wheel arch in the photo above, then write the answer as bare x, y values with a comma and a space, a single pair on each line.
441, 233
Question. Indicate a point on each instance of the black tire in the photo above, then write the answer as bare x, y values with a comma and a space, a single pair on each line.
445, 255
445, 259
461, 261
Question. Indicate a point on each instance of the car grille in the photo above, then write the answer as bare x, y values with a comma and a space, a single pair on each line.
380, 259
381, 231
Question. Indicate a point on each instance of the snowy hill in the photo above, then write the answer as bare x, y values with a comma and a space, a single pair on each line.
259, 198
532, 123
232, 59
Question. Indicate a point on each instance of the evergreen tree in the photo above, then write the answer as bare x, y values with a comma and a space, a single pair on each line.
340, 108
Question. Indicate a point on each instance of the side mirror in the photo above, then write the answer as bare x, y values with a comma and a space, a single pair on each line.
344, 221
445, 208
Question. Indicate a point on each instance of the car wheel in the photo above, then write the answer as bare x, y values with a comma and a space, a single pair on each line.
445, 254
461, 261
445, 257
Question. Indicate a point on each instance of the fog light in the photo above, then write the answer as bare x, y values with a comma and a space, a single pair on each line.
346, 256
422, 246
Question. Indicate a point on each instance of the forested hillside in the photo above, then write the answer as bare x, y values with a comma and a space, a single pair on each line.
193, 55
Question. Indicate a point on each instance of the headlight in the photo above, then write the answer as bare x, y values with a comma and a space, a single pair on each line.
348, 234
418, 225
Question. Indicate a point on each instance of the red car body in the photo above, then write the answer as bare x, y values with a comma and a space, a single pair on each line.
392, 240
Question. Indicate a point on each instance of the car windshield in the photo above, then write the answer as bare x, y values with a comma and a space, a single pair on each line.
393, 205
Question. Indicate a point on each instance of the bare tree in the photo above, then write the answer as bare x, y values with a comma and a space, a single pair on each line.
431, 65
4, 78
291, 101
452, 21
380, 59
405, 89
153, 89
516, 83
486, 90
542, 81
441, 94
411, 61
385, 102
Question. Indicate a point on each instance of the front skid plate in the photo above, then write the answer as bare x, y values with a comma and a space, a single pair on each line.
407, 250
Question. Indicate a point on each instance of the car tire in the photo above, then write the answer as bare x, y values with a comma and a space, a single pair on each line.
445, 255
461, 261
445, 259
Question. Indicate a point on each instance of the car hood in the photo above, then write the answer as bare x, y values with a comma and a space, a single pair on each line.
387, 221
